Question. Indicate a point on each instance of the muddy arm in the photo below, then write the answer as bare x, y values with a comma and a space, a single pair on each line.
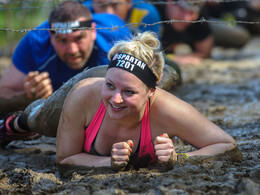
233, 155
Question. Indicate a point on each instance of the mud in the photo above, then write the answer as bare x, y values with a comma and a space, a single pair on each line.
226, 89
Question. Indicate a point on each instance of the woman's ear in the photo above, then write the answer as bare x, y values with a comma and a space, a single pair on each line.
152, 92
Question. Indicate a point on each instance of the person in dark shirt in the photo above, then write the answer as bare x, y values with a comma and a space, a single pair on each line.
130, 11
197, 35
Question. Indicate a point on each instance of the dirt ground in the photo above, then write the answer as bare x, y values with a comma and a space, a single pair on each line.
226, 89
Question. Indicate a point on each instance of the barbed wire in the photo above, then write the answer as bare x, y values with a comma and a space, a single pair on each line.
100, 4
201, 20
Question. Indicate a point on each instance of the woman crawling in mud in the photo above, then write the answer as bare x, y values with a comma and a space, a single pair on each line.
125, 119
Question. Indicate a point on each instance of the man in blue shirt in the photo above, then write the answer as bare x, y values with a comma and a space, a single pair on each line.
44, 60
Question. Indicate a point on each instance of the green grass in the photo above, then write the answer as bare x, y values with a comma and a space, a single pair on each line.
15, 15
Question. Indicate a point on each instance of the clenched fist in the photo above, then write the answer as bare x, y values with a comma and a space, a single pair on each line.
38, 85
164, 150
120, 154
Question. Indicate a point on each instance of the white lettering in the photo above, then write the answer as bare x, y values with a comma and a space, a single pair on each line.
118, 62
139, 63
143, 66
122, 63
127, 64
132, 59
127, 57
132, 67
123, 56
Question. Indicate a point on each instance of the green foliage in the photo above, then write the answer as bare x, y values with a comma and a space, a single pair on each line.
19, 15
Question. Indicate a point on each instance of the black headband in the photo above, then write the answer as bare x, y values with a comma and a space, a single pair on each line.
134, 66
67, 27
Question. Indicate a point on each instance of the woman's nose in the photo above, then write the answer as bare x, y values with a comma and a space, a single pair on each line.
117, 98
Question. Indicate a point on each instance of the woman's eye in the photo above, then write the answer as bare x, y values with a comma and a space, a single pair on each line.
128, 92
109, 85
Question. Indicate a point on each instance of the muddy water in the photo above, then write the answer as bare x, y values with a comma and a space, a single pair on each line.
226, 90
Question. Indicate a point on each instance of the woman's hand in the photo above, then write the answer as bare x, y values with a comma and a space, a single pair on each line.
164, 150
120, 154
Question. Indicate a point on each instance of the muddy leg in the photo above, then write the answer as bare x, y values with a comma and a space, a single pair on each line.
43, 115
170, 78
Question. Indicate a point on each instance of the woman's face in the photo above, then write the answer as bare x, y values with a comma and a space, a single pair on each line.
123, 94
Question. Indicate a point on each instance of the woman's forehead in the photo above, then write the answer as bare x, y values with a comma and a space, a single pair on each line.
123, 77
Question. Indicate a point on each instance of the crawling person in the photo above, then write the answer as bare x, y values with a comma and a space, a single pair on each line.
126, 119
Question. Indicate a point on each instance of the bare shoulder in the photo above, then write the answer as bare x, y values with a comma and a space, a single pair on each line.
86, 91
163, 100
167, 107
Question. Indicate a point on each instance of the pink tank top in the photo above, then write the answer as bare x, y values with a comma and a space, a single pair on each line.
146, 144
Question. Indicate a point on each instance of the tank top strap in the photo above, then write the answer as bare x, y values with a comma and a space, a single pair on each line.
146, 144
93, 127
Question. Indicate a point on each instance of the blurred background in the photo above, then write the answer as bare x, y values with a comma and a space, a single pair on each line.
20, 14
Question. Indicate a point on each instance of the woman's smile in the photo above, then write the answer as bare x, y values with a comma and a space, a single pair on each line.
116, 107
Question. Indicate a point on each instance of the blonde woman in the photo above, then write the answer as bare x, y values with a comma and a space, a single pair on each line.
125, 118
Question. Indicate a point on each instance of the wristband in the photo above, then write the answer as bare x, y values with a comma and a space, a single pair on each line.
184, 154
182, 158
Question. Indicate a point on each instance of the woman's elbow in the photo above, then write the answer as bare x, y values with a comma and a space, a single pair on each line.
60, 160
232, 144
234, 153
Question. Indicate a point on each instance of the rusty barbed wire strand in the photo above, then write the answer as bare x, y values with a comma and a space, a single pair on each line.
201, 20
